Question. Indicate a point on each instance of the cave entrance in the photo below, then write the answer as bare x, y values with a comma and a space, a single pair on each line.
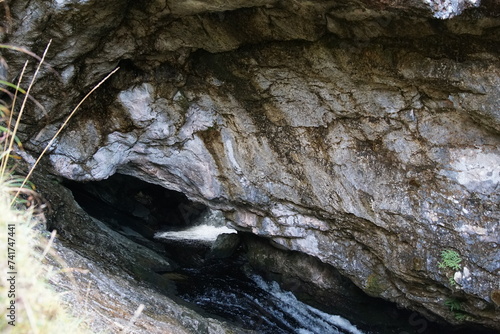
128, 204
229, 286
152, 216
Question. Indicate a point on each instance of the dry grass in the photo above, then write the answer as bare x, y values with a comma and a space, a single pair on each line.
38, 309
29, 305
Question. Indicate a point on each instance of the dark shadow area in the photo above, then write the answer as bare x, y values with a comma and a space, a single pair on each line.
238, 287
125, 201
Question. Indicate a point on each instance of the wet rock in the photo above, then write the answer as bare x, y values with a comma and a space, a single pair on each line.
224, 246
322, 286
116, 274
109, 298
94, 238
364, 134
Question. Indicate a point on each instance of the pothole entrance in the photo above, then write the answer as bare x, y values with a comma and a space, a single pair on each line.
207, 279
183, 231
131, 205
150, 214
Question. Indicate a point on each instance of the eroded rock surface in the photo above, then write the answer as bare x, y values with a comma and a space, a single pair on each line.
110, 300
363, 133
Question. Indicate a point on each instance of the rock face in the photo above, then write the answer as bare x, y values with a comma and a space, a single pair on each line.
225, 246
362, 133
108, 297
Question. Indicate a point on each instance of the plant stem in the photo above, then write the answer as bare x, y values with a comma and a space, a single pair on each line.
59, 131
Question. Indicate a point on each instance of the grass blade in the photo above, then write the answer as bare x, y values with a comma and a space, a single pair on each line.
29, 53
8, 145
61, 128
11, 85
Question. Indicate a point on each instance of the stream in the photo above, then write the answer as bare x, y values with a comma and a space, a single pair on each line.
229, 289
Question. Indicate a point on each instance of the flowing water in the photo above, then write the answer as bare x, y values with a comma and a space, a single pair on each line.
199, 233
226, 288
229, 289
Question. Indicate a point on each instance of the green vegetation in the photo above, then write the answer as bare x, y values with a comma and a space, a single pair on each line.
461, 316
450, 259
456, 308
32, 306
453, 304
452, 282
373, 285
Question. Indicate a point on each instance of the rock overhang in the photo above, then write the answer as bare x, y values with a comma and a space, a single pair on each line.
375, 128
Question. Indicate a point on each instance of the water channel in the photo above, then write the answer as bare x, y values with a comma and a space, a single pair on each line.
227, 288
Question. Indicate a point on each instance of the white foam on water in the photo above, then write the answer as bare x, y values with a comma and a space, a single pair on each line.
312, 320
207, 233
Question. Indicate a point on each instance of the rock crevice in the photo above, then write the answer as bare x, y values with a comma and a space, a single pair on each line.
365, 134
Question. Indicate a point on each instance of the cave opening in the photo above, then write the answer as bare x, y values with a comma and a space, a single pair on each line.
125, 202
153, 216
230, 287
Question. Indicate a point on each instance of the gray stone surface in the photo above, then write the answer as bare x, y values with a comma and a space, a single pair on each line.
224, 246
365, 134
108, 299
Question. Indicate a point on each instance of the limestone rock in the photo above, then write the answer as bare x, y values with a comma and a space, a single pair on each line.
362, 133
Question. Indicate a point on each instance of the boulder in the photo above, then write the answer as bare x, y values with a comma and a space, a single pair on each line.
224, 246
